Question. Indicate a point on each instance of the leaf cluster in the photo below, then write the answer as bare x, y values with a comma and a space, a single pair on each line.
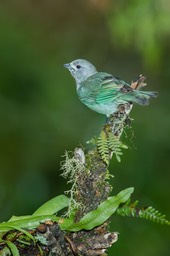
46, 212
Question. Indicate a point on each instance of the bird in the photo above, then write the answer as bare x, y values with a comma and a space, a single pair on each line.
101, 91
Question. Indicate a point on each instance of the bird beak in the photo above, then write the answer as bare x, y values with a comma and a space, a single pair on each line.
67, 65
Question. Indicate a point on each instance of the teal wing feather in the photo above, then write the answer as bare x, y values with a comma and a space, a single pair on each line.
102, 88
108, 92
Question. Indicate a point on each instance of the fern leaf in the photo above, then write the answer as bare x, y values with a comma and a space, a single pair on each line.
148, 213
115, 146
154, 215
102, 146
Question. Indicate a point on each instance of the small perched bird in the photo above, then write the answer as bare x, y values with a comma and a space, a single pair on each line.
102, 92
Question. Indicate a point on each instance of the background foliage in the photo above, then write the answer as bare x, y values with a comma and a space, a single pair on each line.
41, 116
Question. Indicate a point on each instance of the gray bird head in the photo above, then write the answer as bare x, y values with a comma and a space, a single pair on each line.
80, 70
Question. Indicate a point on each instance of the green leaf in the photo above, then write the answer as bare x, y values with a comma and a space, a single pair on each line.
89, 221
12, 248
52, 206
28, 223
99, 215
5, 251
14, 218
22, 231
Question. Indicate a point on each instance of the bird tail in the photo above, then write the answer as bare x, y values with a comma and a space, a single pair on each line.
143, 97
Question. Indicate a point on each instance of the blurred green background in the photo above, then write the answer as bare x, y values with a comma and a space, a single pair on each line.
41, 116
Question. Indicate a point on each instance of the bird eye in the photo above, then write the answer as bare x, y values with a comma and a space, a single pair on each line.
78, 66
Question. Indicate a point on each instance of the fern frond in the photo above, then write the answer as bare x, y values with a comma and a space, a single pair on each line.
115, 146
102, 146
154, 215
108, 144
148, 213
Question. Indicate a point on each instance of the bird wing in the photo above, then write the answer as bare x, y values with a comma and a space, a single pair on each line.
110, 89
103, 88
